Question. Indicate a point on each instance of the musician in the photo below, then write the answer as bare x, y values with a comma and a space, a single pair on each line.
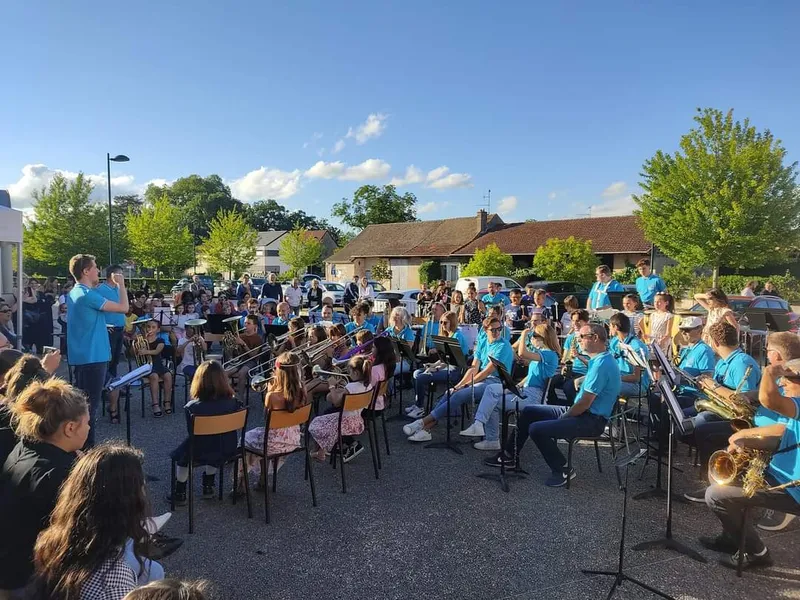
728, 502
272, 289
598, 295
160, 372
514, 313
431, 327
474, 382
252, 309
284, 314
648, 284
115, 323
139, 302
575, 361
326, 312
400, 329
695, 358
588, 416
314, 295
375, 319
527, 298
297, 331
540, 349
246, 341
634, 382
337, 332
494, 297
359, 314
570, 304
187, 363
711, 431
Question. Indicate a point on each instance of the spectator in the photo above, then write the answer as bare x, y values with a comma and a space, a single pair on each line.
294, 296
6, 327
272, 289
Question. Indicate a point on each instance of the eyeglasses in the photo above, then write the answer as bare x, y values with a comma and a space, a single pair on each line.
495, 329
586, 336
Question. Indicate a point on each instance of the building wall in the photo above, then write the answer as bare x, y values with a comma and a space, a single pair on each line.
621, 259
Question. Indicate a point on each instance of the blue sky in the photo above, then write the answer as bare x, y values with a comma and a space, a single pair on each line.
552, 106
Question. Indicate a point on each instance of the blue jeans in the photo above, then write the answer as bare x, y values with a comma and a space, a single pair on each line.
544, 424
422, 382
405, 367
460, 398
489, 409
90, 379
153, 571
630, 389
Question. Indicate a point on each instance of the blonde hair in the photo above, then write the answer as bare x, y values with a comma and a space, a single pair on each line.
41, 409
399, 310
288, 382
548, 336
452, 321
360, 368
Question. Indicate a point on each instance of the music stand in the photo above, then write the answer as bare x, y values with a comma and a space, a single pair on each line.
673, 380
404, 350
777, 321
615, 299
450, 351
686, 427
619, 575
126, 381
508, 386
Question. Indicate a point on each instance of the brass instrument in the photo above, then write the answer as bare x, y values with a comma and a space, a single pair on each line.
260, 383
198, 351
318, 371
725, 467
139, 344
731, 406
230, 339
423, 345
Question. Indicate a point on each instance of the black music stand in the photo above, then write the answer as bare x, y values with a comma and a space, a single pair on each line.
126, 381
450, 351
508, 386
619, 575
686, 427
404, 350
668, 372
616, 298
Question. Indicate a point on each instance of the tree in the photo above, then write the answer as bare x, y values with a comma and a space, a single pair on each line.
120, 208
157, 238
268, 215
231, 243
568, 259
300, 250
489, 261
726, 198
65, 223
381, 271
429, 271
373, 205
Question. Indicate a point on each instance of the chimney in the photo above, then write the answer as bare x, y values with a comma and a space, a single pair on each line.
481, 221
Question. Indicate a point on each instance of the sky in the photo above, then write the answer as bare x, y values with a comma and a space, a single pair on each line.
553, 107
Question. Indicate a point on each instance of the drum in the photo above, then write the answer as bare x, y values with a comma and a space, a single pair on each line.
470, 333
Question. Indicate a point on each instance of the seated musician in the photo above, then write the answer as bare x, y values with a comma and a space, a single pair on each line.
322, 357
598, 295
431, 328
574, 360
730, 373
364, 339
494, 297
337, 332
160, 372
252, 309
438, 371
540, 302
284, 314
473, 383
495, 312
247, 340
539, 348
187, 363
588, 416
728, 502
267, 313
634, 381
376, 319
359, 314
527, 297
570, 304
695, 358
297, 334
400, 329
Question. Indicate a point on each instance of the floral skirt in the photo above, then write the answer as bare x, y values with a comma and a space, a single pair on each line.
325, 428
280, 441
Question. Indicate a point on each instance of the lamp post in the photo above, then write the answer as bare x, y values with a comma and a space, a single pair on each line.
109, 160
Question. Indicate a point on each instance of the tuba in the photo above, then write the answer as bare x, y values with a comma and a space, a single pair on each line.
139, 343
230, 344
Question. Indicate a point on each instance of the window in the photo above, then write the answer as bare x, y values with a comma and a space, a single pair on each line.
510, 284
273, 253
272, 269
259, 252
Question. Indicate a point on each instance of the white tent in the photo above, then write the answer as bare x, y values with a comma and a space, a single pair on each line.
10, 236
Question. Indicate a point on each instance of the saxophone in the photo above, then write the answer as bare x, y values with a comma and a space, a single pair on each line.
731, 407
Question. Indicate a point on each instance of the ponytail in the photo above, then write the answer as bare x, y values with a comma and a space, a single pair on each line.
361, 367
27, 370
41, 409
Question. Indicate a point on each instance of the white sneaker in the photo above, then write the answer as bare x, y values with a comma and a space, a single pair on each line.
420, 436
474, 430
412, 427
487, 445
417, 413
409, 409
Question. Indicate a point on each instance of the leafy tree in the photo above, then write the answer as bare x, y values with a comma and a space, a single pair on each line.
568, 259
489, 261
120, 208
628, 275
343, 237
679, 279
300, 250
157, 238
429, 271
381, 271
65, 223
231, 243
268, 215
373, 205
726, 198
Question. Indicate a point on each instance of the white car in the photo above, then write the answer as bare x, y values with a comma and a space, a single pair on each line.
407, 299
332, 290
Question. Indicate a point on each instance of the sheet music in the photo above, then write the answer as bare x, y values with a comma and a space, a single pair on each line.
128, 378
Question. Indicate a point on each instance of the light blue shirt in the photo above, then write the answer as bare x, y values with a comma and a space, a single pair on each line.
500, 350
539, 371
578, 366
483, 337
87, 336
352, 326
462, 342
280, 321
785, 466
598, 296
648, 287
625, 366
730, 371
430, 329
490, 300
603, 380
111, 293
697, 358
406, 333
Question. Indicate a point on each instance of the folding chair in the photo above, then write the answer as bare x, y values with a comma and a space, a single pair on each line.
619, 413
354, 402
216, 425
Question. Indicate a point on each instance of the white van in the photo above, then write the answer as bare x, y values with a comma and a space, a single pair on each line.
482, 283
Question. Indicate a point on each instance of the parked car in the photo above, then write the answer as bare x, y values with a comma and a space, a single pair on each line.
558, 290
482, 282
407, 299
332, 290
184, 283
306, 279
376, 286
740, 304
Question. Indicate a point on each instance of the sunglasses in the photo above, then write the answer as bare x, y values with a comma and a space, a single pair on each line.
495, 329
586, 336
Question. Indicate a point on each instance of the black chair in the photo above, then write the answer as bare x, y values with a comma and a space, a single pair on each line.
355, 402
371, 415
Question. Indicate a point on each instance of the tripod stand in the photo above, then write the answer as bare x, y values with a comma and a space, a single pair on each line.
405, 352
451, 353
619, 575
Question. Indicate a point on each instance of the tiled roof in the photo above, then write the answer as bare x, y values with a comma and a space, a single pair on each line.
418, 238
609, 235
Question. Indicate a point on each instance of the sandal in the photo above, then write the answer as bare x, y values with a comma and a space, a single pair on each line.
168, 407
114, 416
156, 408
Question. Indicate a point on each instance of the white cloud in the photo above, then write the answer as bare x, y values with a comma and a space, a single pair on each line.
413, 175
373, 127
372, 168
453, 180
427, 208
325, 170
507, 205
614, 207
615, 190
266, 183
437, 173
338, 146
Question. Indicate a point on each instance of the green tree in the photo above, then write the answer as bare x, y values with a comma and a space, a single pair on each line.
231, 243
157, 238
300, 250
120, 208
268, 215
489, 261
64, 223
567, 259
371, 205
381, 271
726, 198
429, 271
679, 279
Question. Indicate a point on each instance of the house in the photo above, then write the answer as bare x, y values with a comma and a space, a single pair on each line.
406, 245
269, 245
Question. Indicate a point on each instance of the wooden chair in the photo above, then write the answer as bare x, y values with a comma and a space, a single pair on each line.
280, 419
216, 425
354, 402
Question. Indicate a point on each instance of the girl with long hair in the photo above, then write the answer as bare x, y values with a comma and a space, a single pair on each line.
52, 421
716, 303
172, 589
94, 546
384, 362
212, 395
661, 325
27, 370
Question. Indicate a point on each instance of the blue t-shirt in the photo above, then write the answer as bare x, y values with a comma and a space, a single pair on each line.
111, 293
489, 300
461, 342
598, 296
87, 336
430, 329
281, 321
648, 287
352, 326
625, 367
500, 350
696, 359
785, 466
483, 337
406, 334
603, 380
539, 371
730, 371
578, 366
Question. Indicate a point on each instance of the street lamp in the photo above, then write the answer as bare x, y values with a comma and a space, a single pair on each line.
109, 159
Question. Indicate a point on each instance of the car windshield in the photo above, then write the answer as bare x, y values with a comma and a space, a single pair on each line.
334, 287
388, 296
